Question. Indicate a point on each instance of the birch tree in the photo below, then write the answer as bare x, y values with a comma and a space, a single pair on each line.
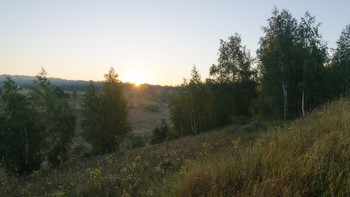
312, 58
340, 67
276, 55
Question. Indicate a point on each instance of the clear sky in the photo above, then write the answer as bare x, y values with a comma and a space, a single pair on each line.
154, 41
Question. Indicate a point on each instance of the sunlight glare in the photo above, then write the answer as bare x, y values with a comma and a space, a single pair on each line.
139, 78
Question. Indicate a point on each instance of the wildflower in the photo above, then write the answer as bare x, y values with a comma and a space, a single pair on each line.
183, 170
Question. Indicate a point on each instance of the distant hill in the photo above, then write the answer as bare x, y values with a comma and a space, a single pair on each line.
26, 82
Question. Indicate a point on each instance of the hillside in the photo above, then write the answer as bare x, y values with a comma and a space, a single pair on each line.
308, 157
67, 85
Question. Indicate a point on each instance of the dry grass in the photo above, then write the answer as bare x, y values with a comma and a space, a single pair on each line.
138, 172
142, 120
309, 157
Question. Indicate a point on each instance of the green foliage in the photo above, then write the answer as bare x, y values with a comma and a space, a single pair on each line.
171, 135
61, 94
233, 63
159, 133
20, 136
312, 55
63, 125
338, 78
35, 128
278, 66
55, 117
82, 151
292, 57
105, 115
198, 107
191, 108
138, 142
90, 122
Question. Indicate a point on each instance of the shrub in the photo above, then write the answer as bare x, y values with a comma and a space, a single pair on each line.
171, 135
138, 142
82, 151
159, 133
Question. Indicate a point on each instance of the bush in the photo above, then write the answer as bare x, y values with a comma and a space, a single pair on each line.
138, 142
82, 151
171, 135
159, 133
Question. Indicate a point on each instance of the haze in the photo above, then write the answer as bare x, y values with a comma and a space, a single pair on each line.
158, 40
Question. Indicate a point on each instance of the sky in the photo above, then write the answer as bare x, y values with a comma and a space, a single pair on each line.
152, 41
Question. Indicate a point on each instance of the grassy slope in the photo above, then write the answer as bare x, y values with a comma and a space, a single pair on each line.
308, 157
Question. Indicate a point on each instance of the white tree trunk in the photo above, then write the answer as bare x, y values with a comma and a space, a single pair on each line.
303, 103
285, 100
193, 122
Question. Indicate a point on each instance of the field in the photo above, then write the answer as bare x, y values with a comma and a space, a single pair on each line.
145, 114
306, 157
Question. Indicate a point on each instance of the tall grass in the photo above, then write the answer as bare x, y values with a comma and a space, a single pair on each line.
307, 157
310, 157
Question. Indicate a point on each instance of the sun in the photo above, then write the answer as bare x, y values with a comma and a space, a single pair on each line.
139, 78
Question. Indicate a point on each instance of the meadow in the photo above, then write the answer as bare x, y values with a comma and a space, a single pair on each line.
306, 157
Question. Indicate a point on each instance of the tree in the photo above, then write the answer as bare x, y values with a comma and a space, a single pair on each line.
191, 106
234, 62
159, 133
312, 58
195, 100
108, 115
20, 138
60, 93
340, 66
277, 62
90, 110
342, 53
179, 106
55, 117
234, 72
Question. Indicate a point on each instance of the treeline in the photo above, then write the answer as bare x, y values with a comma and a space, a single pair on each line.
294, 74
73, 89
26, 82
37, 128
